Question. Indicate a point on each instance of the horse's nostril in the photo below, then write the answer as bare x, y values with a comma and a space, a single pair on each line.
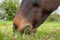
14, 27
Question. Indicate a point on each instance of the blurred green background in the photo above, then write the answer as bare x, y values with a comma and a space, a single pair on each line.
49, 30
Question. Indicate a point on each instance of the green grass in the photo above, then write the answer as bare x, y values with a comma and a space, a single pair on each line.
45, 32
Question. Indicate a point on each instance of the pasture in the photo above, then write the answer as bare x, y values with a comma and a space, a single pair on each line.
47, 31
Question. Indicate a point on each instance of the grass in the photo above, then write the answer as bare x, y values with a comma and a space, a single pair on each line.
47, 31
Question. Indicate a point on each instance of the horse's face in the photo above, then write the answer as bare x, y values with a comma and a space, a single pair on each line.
33, 13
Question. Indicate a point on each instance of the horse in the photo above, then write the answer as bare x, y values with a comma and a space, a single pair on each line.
32, 13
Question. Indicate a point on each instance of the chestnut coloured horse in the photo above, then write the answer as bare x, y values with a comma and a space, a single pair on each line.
32, 13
